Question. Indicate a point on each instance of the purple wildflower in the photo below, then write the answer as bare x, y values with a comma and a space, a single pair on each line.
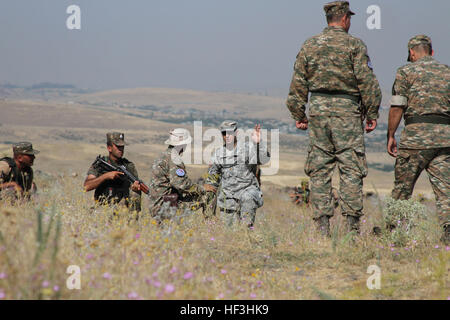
133, 295
106, 275
169, 288
188, 275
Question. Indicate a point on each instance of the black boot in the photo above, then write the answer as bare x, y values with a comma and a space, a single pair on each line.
446, 236
353, 224
323, 225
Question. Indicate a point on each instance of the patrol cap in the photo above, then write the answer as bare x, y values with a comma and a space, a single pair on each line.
116, 138
24, 148
337, 7
420, 39
228, 125
178, 137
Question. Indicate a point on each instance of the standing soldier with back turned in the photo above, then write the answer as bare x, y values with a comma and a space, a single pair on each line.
336, 69
421, 92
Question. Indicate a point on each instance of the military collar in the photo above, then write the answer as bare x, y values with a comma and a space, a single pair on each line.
425, 59
334, 29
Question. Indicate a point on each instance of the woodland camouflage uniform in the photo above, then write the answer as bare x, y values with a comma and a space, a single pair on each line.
171, 190
336, 69
422, 89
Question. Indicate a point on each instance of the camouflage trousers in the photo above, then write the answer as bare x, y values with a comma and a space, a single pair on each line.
231, 217
245, 207
336, 141
408, 167
167, 212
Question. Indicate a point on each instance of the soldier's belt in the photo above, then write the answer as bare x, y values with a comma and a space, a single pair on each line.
432, 118
335, 95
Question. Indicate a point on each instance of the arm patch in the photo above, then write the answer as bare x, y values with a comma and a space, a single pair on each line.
398, 101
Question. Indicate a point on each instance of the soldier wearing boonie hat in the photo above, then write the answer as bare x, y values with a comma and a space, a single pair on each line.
421, 95
16, 173
110, 187
171, 190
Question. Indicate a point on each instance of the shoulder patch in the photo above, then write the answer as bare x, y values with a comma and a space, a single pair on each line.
180, 172
369, 64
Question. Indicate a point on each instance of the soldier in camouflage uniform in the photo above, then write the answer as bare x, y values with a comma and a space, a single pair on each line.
16, 173
336, 69
172, 192
421, 93
110, 187
233, 173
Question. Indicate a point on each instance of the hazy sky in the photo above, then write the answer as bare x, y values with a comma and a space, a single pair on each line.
243, 45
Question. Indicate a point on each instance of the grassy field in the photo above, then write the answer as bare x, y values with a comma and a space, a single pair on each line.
124, 258
283, 257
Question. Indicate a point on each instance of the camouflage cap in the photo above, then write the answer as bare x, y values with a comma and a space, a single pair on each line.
228, 125
24, 148
337, 7
418, 40
116, 138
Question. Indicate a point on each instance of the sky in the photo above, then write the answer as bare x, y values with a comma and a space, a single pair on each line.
212, 45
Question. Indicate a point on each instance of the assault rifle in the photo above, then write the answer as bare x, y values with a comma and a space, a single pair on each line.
121, 168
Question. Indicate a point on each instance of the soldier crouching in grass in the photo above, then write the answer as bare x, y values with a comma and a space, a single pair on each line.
234, 169
111, 187
172, 192
16, 174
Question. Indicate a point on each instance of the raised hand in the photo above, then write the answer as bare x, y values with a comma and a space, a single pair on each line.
256, 135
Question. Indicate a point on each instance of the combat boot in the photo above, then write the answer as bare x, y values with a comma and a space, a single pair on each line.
323, 225
446, 236
353, 224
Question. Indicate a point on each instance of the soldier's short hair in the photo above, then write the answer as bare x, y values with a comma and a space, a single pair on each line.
427, 48
332, 18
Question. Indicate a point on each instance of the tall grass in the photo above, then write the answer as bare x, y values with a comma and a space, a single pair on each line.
283, 257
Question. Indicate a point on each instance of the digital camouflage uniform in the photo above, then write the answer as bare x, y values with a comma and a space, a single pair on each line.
117, 190
422, 89
232, 172
9, 172
336, 69
169, 177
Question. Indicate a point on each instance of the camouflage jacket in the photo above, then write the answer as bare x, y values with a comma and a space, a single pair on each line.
425, 87
168, 176
233, 171
9, 173
337, 63
117, 189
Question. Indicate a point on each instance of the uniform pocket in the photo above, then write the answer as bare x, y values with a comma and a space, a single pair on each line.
308, 168
360, 160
